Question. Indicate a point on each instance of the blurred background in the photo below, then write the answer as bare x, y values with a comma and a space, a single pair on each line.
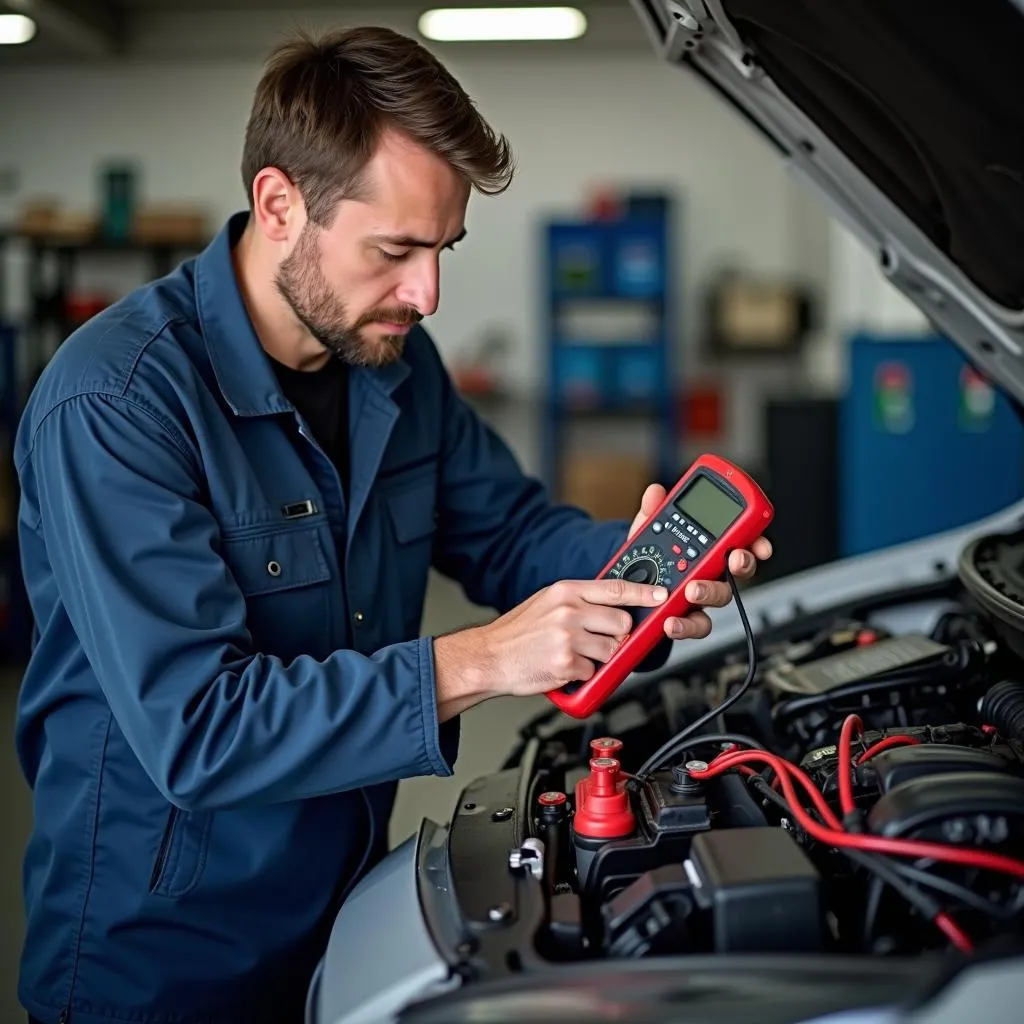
654, 285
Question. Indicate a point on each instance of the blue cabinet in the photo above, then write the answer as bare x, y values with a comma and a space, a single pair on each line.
926, 445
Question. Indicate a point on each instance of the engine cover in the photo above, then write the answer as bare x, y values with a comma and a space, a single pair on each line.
894, 767
972, 808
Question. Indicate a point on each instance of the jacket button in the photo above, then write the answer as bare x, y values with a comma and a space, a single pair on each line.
358, 616
274, 568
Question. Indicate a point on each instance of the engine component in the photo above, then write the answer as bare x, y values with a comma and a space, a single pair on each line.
1003, 707
881, 675
990, 568
979, 808
603, 812
650, 916
606, 746
674, 805
893, 767
602, 803
839, 637
666, 821
761, 889
553, 830
852, 665
822, 763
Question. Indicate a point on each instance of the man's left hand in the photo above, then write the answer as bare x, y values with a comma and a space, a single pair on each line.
704, 593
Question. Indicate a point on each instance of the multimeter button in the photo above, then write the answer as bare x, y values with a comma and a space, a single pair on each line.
657, 527
691, 552
677, 549
675, 516
681, 565
702, 539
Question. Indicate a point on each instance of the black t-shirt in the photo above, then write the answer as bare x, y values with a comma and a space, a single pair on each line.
321, 397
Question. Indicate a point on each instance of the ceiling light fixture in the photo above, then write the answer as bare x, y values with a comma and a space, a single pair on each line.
494, 24
15, 29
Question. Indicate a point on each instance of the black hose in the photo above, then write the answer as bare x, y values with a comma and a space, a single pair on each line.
1003, 707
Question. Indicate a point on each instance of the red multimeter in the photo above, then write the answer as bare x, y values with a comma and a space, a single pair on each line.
715, 508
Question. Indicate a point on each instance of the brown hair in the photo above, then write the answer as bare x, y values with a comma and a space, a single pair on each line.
321, 105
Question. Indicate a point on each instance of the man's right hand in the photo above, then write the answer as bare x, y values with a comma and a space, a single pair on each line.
557, 636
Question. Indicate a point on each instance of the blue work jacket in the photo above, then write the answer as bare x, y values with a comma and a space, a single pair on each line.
228, 678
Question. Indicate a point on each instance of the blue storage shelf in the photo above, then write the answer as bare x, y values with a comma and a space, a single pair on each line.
608, 327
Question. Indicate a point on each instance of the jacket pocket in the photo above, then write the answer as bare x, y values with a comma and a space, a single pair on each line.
182, 853
269, 562
286, 580
413, 512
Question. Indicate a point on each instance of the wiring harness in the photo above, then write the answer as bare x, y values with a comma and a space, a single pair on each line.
883, 856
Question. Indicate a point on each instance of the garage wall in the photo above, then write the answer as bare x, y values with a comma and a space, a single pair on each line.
574, 123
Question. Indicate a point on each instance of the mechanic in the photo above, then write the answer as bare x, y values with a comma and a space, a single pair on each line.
234, 483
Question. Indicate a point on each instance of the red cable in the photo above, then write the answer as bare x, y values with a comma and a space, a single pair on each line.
732, 748
782, 769
845, 768
832, 832
953, 932
886, 744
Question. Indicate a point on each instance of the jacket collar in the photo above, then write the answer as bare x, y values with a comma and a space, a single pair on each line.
243, 371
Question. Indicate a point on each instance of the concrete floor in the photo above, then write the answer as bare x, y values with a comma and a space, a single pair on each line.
488, 732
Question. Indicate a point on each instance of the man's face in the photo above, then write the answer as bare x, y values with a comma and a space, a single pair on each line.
360, 284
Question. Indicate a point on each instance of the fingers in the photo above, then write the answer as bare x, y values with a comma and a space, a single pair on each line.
605, 620
653, 497
708, 594
569, 666
742, 564
695, 626
620, 592
596, 647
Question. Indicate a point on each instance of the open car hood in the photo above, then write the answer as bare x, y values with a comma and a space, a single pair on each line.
907, 117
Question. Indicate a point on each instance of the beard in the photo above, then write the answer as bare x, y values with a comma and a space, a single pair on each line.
303, 286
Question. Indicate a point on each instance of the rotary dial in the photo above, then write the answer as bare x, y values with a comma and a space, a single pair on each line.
643, 563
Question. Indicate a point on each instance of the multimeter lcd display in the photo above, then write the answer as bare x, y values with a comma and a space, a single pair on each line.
708, 505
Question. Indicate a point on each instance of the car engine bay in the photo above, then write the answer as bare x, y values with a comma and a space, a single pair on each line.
854, 789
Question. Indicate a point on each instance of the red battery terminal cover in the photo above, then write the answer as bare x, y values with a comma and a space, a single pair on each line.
552, 799
602, 803
606, 746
